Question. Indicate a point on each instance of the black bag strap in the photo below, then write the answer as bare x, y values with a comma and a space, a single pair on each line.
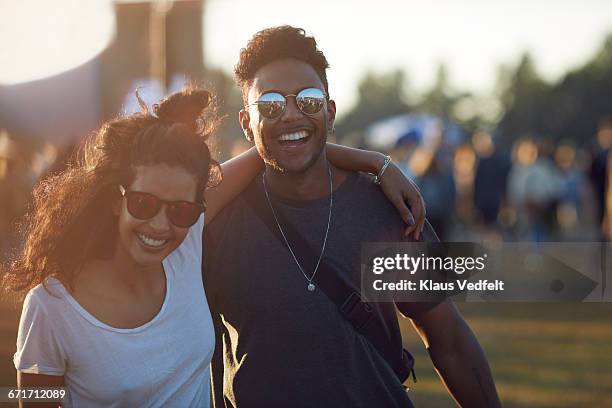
359, 313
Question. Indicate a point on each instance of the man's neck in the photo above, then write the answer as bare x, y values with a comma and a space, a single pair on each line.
308, 185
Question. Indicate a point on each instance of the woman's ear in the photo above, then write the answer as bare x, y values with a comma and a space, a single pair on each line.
116, 206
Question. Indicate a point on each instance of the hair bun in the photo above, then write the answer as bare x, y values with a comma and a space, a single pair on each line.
183, 107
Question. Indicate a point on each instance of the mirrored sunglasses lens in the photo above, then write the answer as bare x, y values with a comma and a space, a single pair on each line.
310, 100
142, 205
183, 214
271, 104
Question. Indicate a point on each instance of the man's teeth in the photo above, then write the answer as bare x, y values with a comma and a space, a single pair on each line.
302, 134
150, 241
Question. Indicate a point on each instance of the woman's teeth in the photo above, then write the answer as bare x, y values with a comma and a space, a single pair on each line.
302, 134
151, 241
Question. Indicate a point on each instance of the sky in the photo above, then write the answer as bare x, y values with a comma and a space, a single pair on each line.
472, 37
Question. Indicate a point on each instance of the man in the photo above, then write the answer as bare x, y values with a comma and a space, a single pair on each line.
281, 341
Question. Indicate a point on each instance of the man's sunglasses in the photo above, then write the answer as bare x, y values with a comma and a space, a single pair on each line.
144, 206
271, 105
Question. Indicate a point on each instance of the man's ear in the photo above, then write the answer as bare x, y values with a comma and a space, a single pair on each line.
244, 119
331, 115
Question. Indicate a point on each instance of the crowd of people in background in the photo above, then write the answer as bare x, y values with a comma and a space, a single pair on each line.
534, 190
477, 188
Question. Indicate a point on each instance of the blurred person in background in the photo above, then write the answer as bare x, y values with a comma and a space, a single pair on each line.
607, 219
437, 185
401, 153
112, 259
490, 180
534, 187
598, 172
572, 201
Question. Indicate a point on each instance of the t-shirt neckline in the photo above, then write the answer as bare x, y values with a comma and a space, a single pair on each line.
96, 322
322, 201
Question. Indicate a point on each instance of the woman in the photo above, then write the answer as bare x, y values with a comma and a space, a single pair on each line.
115, 309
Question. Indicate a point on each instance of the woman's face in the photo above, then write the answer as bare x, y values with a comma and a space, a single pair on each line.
148, 242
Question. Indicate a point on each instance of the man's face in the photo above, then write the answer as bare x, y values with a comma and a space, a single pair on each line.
287, 77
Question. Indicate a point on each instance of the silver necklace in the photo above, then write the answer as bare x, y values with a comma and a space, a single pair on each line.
311, 286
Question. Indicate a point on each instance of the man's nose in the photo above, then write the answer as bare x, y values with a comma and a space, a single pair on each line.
292, 112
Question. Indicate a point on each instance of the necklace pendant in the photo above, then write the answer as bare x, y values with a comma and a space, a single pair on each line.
311, 287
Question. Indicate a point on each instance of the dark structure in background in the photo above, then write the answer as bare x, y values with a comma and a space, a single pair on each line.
153, 40
42, 121
184, 46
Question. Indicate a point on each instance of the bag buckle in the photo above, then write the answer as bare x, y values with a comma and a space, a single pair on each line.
358, 312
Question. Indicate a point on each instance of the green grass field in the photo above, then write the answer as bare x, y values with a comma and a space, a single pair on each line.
542, 355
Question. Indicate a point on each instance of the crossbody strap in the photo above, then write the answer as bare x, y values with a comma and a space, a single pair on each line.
361, 314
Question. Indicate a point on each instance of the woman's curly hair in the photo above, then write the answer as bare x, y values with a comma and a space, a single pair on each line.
71, 219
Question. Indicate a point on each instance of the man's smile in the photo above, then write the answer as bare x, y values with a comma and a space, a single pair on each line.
299, 135
294, 138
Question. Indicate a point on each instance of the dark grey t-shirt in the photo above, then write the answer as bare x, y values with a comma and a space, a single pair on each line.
278, 344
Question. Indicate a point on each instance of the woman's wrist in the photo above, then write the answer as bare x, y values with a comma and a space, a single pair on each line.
381, 172
377, 162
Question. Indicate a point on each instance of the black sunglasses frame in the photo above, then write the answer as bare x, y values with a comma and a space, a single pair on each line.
159, 203
259, 102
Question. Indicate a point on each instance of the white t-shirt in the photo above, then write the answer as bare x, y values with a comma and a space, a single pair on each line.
163, 363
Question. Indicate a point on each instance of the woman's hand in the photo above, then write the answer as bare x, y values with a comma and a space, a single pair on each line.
407, 199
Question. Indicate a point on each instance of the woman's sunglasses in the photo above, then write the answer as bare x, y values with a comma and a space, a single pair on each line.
271, 105
144, 206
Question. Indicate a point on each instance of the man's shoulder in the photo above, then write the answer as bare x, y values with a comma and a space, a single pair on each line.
363, 207
361, 190
368, 203
235, 207
365, 181
360, 183
240, 201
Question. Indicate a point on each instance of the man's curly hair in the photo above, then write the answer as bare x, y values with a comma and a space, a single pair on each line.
276, 43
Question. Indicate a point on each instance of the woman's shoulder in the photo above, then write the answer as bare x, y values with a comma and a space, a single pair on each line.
50, 294
40, 336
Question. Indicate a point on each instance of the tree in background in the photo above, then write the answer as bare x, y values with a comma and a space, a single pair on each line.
569, 109
523, 103
440, 99
379, 96
522, 93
